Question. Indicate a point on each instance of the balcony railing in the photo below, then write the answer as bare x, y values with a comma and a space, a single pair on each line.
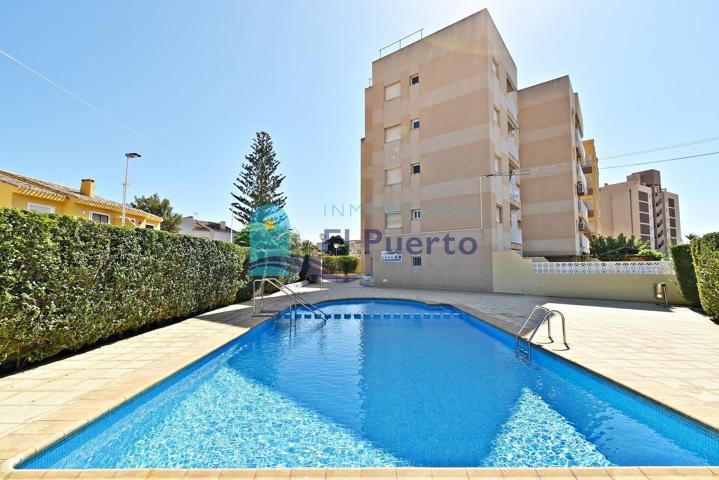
515, 235
513, 146
582, 207
590, 213
514, 189
582, 154
511, 103
584, 243
587, 170
582, 179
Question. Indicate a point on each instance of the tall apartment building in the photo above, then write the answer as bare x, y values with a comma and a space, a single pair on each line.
591, 196
641, 207
555, 215
439, 158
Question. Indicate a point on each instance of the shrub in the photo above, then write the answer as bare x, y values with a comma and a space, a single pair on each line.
684, 268
66, 283
338, 263
610, 249
705, 252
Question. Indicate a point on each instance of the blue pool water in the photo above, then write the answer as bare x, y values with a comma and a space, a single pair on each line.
382, 383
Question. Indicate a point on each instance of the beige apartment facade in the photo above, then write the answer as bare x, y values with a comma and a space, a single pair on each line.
554, 186
439, 160
642, 208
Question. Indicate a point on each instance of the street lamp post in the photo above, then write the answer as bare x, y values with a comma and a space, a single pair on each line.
128, 156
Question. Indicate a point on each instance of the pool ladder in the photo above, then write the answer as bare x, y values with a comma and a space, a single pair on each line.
526, 354
296, 299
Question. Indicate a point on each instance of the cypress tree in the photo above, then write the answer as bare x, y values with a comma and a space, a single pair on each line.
257, 183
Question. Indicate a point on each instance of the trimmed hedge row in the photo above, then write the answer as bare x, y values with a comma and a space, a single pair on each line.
684, 268
705, 251
66, 283
339, 264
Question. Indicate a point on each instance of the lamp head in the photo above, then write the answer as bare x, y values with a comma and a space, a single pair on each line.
133, 155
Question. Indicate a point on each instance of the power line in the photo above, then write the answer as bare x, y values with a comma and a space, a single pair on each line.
95, 109
660, 161
666, 147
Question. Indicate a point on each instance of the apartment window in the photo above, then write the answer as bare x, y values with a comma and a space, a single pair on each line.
510, 86
511, 127
498, 210
672, 212
393, 220
392, 134
393, 176
36, 207
643, 207
671, 202
644, 229
415, 123
415, 168
643, 197
416, 261
416, 214
414, 79
643, 218
495, 115
150, 227
672, 222
495, 68
99, 217
673, 232
647, 238
392, 91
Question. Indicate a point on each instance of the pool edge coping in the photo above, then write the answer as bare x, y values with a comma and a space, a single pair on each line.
7, 467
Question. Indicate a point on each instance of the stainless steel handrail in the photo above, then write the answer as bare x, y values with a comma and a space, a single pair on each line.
294, 296
546, 317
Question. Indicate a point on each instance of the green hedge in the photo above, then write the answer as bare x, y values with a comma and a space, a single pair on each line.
66, 283
705, 251
338, 263
684, 268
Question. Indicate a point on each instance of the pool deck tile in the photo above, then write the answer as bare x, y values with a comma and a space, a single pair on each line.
308, 473
626, 473
449, 473
484, 473
617, 340
409, 473
586, 473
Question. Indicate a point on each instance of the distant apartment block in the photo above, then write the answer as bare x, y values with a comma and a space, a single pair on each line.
554, 186
206, 229
440, 157
641, 207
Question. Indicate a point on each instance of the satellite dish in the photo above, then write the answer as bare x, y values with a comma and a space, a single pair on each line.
322, 237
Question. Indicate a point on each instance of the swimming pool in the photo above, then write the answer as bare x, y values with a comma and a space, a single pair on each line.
382, 383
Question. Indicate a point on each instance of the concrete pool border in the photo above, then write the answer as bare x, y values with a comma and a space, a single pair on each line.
31, 437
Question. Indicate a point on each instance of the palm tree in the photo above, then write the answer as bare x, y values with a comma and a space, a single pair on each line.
691, 236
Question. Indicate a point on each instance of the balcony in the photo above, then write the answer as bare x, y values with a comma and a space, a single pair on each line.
515, 235
582, 207
590, 213
581, 181
583, 243
513, 146
587, 170
514, 192
510, 102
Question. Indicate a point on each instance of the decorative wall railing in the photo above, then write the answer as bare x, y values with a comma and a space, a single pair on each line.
604, 268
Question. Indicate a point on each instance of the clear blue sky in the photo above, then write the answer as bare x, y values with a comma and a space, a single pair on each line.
198, 78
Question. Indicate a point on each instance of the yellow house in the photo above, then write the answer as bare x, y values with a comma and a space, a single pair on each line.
19, 191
